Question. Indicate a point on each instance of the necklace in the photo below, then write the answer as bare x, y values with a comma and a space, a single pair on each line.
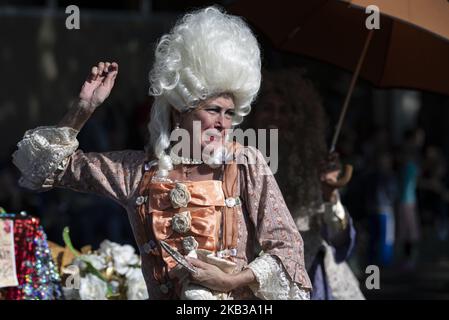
183, 160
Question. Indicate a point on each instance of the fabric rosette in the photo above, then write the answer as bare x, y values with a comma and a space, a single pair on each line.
180, 196
187, 216
181, 222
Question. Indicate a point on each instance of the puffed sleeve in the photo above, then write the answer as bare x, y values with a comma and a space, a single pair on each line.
47, 157
280, 272
42, 153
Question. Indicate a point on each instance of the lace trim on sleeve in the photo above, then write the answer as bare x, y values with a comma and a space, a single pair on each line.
273, 283
42, 154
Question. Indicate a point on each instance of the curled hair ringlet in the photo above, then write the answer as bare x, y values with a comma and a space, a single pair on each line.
207, 53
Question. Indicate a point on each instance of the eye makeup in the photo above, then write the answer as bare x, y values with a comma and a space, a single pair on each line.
230, 113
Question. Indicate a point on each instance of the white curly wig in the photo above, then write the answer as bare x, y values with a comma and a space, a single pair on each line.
207, 53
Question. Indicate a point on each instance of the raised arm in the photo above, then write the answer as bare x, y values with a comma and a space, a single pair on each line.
44, 153
94, 91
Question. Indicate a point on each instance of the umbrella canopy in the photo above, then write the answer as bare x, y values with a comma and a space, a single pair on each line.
410, 50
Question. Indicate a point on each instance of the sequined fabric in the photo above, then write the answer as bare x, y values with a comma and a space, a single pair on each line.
43, 150
36, 271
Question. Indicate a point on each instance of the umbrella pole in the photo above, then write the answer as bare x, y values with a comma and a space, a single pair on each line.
351, 89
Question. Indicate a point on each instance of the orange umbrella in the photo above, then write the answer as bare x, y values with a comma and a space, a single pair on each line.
409, 50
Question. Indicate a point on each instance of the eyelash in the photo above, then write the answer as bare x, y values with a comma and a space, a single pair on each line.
230, 113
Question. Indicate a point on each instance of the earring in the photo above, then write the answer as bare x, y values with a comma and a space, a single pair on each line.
177, 126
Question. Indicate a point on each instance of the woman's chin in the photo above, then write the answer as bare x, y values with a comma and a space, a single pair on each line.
213, 154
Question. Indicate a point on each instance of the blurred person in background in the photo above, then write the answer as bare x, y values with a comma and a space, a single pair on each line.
434, 193
408, 221
381, 196
290, 103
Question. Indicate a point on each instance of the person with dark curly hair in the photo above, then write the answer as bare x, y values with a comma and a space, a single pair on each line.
307, 174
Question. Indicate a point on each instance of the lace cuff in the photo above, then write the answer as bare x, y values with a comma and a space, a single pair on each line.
43, 154
273, 283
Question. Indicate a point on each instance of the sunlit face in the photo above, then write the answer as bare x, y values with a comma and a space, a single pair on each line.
215, 116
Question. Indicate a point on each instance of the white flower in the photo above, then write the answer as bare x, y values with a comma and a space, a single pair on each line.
106, 248
179, 196
133, 274
123, 256
98, 262
92, 288
137, 289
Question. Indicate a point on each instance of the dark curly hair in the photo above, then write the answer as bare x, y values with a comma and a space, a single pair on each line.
288, 101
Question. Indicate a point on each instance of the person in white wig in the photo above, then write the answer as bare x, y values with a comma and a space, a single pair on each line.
225, 214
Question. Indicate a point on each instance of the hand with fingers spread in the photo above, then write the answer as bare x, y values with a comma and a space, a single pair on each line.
98, 84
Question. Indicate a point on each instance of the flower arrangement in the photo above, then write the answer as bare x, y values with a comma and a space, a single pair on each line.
112, 272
